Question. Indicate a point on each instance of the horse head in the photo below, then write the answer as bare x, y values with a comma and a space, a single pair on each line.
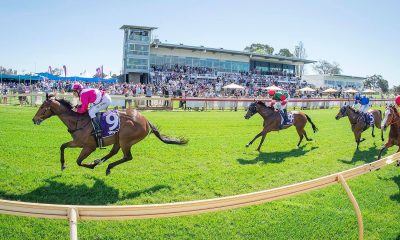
342, 112
46, 110
391, 116
251, 111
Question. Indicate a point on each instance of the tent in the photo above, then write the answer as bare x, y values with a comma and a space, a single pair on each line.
273, 87
233, 86
306, 89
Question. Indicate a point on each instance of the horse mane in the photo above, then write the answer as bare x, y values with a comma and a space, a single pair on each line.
65, 103
263, 104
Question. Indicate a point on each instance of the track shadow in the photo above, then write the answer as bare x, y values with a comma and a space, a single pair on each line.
366, 156
276, 157
61, 193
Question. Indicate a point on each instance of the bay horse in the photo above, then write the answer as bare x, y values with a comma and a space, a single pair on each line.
392, 119
358, 125
272, 120
133, 128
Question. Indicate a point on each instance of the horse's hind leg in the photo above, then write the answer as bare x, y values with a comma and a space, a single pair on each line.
373, 127
113, 151
127, 157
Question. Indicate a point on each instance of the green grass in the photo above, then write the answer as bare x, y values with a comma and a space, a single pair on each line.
215, 163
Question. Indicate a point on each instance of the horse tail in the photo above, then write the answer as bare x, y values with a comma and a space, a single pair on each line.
166, 139
315, 129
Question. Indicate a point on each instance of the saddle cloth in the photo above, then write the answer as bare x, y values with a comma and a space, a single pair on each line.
290, 118
109, 122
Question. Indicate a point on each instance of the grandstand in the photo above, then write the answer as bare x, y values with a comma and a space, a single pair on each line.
143, 55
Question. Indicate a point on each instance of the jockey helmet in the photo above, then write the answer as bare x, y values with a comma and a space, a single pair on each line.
77, 87
397, 100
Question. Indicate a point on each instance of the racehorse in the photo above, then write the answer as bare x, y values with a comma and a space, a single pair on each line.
272, 120
392, 119
133, 128
358, 124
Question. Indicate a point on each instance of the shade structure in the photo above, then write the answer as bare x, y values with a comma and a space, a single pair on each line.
306, 89
233, 86
369, 91
273, 87
351, 91
330, 90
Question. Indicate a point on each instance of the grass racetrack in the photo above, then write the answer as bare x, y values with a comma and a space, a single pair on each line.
215, 163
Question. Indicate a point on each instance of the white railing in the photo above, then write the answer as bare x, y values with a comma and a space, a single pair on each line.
82, 212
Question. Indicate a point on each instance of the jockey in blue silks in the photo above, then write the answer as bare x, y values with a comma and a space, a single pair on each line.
363, 101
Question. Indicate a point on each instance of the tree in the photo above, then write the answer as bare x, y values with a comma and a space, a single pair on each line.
396, 90
300, 52
285, 53
260, 48
377, 81
325, 67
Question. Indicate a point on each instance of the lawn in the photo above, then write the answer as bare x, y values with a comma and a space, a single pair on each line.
215, 163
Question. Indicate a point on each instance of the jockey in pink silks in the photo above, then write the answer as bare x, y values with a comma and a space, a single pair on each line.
98, 100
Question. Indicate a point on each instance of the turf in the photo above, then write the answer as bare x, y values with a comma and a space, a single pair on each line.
215, 163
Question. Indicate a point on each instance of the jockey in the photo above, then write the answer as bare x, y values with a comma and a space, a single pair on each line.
397, 100
364, 103
98, 99
280, 103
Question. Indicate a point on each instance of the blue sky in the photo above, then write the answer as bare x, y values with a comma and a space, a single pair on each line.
362, 36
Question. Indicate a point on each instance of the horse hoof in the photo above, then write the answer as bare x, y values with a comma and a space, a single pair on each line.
62, 168
310, 139
98, 161
108, 172
247, 145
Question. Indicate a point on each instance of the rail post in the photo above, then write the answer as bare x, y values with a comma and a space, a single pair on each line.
355, 206
73, 223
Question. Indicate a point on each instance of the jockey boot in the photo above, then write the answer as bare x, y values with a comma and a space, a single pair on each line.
97, 132
281, 122
285, 116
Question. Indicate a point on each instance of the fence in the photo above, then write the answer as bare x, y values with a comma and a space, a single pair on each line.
161, 103
75, 212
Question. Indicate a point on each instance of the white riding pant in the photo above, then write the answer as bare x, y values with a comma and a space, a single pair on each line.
363, 108
103, 104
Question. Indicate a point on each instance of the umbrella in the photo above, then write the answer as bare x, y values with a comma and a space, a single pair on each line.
330, 90
351, 91
273, 87
233, 86
306, 89
369, 91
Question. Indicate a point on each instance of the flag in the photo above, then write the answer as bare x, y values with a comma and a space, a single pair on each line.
50, 70
98, 72
102, 71
65, 71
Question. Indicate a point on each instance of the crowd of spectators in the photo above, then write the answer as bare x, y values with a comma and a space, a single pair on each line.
184, 81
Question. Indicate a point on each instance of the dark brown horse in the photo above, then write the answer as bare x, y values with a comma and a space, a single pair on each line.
134, 128
272, 120
358, 124
392, 119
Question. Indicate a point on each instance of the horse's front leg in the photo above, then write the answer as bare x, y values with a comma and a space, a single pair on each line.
113, 151
63, 146
262, 140
257, 136
86, 151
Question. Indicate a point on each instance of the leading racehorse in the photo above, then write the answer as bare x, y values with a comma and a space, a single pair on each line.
392, 119
133, 128
272, 120
358, 124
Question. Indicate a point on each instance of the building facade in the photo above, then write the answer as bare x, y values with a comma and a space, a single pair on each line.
336, 81
140, 52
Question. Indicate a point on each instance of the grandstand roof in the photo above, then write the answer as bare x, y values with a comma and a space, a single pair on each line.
233, 52
139, 27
